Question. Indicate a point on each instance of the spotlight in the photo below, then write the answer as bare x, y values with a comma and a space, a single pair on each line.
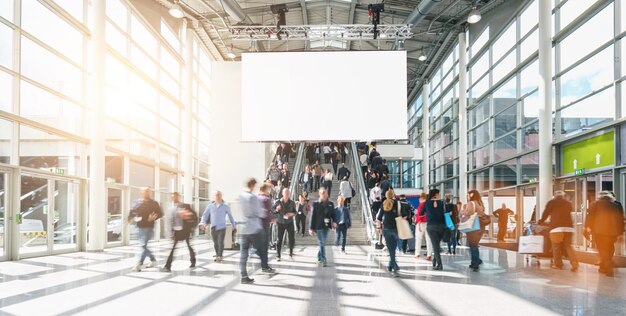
474, 16
231, 55
383, 35
176, 11
422, 57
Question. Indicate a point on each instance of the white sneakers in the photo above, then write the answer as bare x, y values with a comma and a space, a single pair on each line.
137, 267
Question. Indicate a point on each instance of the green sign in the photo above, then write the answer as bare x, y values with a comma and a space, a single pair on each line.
59, 171
590, 153
532, 180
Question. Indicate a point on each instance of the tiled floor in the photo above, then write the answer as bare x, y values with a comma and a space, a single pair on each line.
354, 284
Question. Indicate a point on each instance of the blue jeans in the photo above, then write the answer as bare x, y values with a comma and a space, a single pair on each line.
144, 234
391, 237
473, 238
321, 235
453, 241
342, 233
257, 241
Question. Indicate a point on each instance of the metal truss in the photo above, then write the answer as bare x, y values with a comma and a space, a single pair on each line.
351, 32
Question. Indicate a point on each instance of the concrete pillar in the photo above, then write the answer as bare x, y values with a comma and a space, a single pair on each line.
545, 110
97, 189
187, 154
425, 136
462, 116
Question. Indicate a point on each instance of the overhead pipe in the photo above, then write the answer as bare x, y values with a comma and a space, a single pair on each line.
421, 11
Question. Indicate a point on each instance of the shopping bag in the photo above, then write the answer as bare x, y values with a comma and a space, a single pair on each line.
403, 227
471, 223
449, 222
530, 244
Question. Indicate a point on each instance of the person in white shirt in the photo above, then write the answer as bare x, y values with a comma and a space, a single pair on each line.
345, 190
328, 181
363, 160
376, 197
327, 152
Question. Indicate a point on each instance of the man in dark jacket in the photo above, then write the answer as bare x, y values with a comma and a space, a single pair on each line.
559, 210
183, 223
385, 184
144, 213
322, 218
605, 222
344, 223
285, 210
343, 172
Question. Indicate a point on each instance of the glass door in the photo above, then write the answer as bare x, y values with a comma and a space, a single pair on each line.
116, 216
33, 218
4, 212
526, 208
48, 219
64, 217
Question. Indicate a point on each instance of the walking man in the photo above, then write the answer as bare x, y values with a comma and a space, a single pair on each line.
344, 223
322, 219
559, 210
215, 214
183, 222
144, 213
252, 233
285, 210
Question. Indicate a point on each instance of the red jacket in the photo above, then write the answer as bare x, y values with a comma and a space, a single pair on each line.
420, 218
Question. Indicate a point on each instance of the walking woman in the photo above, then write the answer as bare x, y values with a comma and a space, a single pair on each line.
387, 221
474, 205
454, 214
434, 209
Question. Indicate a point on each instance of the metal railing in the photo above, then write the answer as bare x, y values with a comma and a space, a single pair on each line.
295, 173
362, 193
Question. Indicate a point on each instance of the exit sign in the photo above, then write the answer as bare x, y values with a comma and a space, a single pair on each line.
579, 172
59, 171
532, 180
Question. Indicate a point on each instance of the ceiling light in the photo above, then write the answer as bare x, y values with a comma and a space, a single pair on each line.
176, 11
422, 56
231, 55
383, 35
474, 16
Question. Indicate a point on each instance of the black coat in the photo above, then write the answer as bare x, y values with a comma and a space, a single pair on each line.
560, 212
605, 217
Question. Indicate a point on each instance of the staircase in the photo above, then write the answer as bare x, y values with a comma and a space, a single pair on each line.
357, 235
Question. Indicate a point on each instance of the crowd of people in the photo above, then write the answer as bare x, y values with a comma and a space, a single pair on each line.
434, 219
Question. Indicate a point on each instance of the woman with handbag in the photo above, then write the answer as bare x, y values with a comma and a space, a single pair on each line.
386, 220
474, 206
436, 227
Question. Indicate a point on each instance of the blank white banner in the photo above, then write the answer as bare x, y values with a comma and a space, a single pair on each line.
310, 96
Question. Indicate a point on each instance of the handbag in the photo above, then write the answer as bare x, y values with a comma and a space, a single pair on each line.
402, 225
484, 220
352, 189
469, 224
449, 222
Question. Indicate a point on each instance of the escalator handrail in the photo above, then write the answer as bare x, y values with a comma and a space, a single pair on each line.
295, 173
362, 192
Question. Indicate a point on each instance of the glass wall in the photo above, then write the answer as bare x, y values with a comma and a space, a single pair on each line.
503, 98
44, 105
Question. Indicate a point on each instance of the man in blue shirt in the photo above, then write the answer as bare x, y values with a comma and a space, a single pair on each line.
215, 214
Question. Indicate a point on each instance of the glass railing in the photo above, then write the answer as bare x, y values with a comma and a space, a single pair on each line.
362, 193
